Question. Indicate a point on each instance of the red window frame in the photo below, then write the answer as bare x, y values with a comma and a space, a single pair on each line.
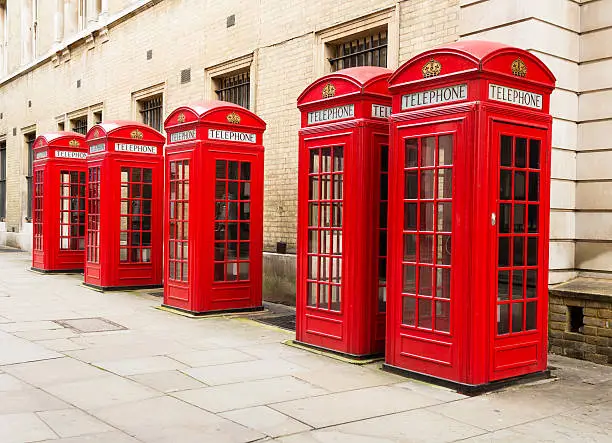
178, 234
38, 209
232, 255
383, 227
427, 232
72, 210
93, 215
135, 215
325, 214
518, 232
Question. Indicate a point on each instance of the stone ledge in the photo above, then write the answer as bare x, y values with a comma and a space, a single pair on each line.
584, 288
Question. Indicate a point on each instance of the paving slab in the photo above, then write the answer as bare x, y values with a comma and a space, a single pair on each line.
166, 419
244, 371
17, 350
29, 400
73, 423
29, 326
504, 409
344, 407
10, 383
212, 357
417, 426
168, 381
142, 365
60, 344
345, 377
106, 437
55, 371
599, 415
266, 420
46, 334
329, 436
25, 427
101, 391
249, 393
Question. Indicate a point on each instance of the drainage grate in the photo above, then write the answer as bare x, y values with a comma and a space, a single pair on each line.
95, 324
281, 321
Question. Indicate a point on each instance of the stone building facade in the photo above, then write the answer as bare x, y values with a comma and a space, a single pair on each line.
70, 63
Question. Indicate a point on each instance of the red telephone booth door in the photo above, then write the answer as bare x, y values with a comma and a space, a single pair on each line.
324, 319
429, 204
177, 207
519, 304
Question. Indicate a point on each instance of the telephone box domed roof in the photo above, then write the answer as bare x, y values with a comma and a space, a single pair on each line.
474, 56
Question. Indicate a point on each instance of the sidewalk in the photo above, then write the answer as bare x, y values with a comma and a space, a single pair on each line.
80, 366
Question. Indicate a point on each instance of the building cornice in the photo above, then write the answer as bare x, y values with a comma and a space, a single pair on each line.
101, 27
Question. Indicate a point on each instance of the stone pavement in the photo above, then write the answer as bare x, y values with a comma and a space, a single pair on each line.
160, 377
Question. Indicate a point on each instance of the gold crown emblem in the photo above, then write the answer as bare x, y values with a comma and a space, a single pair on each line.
96, 133
181, 118
74, 143
432, 68
519, 68
328, 91
233, 118
39, 144
136, 134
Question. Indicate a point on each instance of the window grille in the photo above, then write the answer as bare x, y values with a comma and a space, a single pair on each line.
72, 210
30, 138
235, 88
38, 210
2, 180
151, 110
93, 215
232, 221
369, 50
135, 217
179, 221
325, 212
80, 125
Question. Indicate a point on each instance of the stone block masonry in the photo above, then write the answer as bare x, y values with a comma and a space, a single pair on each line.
580, 323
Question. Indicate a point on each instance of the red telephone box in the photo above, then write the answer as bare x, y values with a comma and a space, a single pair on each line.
342, 212
58, 204
124, 206
214, 229
469, 209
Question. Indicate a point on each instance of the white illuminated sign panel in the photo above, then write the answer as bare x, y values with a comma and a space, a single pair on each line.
439, 96
515, 96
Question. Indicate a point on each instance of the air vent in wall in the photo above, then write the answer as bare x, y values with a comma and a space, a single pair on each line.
185, 75
231, 20
78, 83
149, 54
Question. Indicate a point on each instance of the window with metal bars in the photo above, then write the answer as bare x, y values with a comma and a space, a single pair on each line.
38, 210
93, 215
367, 50
235, 88
72, 210
79, 125
151, 110
135, 217
30, 138
232, 221
2, 180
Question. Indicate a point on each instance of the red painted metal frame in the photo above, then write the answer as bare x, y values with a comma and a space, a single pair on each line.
121, 156
54, 250
224, 247
471, 354
338, 302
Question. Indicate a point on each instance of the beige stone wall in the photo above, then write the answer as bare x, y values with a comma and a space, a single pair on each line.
594, 152
551, 30
284, 38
